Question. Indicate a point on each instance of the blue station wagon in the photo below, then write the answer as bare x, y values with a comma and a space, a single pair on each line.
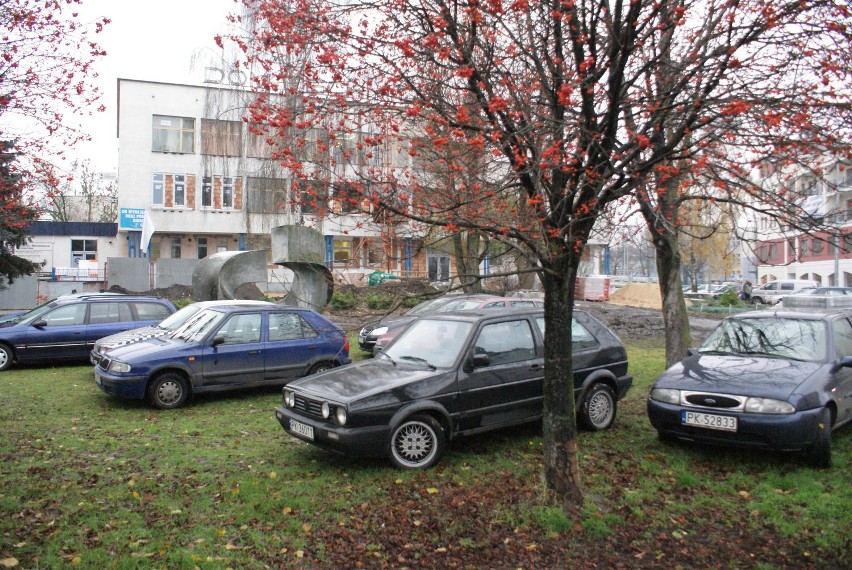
223, 348
67, 327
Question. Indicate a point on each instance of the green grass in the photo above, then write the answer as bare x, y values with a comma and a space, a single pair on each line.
87, 481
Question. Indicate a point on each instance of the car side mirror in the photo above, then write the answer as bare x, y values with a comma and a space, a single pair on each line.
40, 324
845, 362
218, 339
692, 352
479, 360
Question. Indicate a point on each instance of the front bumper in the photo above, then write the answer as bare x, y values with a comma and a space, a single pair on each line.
370, 441
782, 432
130, 387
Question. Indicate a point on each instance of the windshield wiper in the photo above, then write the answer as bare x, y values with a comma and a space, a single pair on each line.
420, 360
384, 354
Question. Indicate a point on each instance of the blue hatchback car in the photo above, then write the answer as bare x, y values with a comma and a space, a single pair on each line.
67, 327
777, 379
224, 348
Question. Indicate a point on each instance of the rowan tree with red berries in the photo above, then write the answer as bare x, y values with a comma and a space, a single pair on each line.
46, 88
583, 103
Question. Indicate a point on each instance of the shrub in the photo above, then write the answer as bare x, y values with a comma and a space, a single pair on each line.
729, 298
380, 302
342, 301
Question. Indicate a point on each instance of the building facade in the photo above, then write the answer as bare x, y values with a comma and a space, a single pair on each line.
188, 163
822, 256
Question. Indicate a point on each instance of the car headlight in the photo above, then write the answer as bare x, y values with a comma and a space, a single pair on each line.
326, 410
289, 398
118, 367
378, 331
768, 406
667, 395
340, 415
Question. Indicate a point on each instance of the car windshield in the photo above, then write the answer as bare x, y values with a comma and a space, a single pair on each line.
178, 319
780, 337
31, 315
199, 325
425, 307
430, 342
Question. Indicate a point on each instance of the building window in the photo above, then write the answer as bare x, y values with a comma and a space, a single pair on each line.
773, 250
342, 250
817, 247
438, 267
347, 199
158, 190
201, 244
83, 250
173, 134
180, 190
206, 192
221, 138
266, 195
311, 194
221, 245
227, 192
175, 247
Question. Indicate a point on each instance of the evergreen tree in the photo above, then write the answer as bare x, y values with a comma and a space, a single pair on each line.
15, 218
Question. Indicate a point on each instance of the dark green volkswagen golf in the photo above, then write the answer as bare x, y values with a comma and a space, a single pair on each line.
451, 375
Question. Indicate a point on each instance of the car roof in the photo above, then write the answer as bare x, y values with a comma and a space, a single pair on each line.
105, 295
238, 306
807, 313
478, 314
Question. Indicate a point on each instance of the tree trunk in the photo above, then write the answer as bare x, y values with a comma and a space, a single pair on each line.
466, 248
561, 461
675, 317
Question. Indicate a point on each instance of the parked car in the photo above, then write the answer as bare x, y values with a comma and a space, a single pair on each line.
370, 332
841, 291
449, 375
469, 303
67, 327
224, 347
779, 379
772, 292
164, 327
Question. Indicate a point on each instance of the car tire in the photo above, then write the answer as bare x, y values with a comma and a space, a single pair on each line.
6, 357
597, 410
820, 452
417, 443
168, 391
320, 367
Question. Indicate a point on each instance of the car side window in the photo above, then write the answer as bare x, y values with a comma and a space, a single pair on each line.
581, 338
66, 315
241, 329
151, 311
522, 304
506, 342
786, 286
109, 313
843, 337
289, 326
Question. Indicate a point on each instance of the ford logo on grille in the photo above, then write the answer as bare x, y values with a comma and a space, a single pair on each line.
709, 401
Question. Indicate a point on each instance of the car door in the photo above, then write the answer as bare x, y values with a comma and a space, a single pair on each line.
292, 345
507, 386
584, 349
840, 383
106, 318
234, 353
59, 334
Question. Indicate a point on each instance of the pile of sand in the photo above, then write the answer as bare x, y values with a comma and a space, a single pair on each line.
644, 295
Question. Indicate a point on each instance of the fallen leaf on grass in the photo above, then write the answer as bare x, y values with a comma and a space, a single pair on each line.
9, 562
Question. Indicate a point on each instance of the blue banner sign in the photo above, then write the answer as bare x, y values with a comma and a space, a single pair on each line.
131, 218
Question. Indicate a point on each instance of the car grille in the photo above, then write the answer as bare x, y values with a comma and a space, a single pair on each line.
715, 401
308, 407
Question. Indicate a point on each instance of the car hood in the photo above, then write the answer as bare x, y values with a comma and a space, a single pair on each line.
133, 335
739, 375
147, 349
367, 379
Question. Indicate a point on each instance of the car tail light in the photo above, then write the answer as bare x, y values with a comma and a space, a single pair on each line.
346, 344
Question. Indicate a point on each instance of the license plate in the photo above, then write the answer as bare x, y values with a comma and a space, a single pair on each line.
302, 429
709, 421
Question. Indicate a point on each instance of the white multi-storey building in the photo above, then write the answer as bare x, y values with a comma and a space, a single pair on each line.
783, 253
188, 163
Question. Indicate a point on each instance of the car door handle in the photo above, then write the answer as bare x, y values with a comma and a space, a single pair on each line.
536, 367
253, 352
